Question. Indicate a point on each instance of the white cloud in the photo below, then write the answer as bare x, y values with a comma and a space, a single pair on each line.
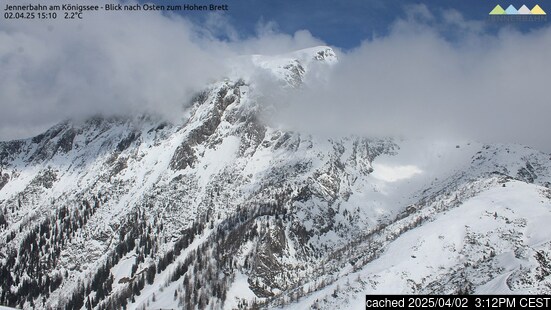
414, 82
107, 63
114, 63
411, 82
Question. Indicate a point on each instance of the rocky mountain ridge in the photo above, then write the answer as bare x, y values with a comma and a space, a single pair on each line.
225, 211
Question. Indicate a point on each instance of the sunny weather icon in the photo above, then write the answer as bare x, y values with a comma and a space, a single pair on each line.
511, 10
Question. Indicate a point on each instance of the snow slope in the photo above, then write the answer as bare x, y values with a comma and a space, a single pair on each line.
487, 245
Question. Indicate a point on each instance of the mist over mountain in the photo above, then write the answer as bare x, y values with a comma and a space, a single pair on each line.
159, 166
225, 211
477, 85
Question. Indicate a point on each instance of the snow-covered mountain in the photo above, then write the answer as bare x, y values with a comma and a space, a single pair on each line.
222, 211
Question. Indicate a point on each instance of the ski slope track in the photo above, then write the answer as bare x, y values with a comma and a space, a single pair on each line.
221, 211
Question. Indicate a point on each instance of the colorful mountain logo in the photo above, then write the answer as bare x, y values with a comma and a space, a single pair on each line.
524, 10
511, 10
537, 10
498, 10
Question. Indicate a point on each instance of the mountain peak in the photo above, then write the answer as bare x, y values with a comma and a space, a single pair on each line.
291, 67
316, 53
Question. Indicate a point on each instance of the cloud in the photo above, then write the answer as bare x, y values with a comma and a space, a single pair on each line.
107, 63
114, 63
434, 74
416, 82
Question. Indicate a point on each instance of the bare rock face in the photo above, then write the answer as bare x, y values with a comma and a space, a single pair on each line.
4, 178
45, 178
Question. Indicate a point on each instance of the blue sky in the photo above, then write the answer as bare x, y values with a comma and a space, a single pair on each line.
345, 23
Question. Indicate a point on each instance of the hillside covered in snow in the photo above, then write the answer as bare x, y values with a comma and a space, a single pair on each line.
224, 211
